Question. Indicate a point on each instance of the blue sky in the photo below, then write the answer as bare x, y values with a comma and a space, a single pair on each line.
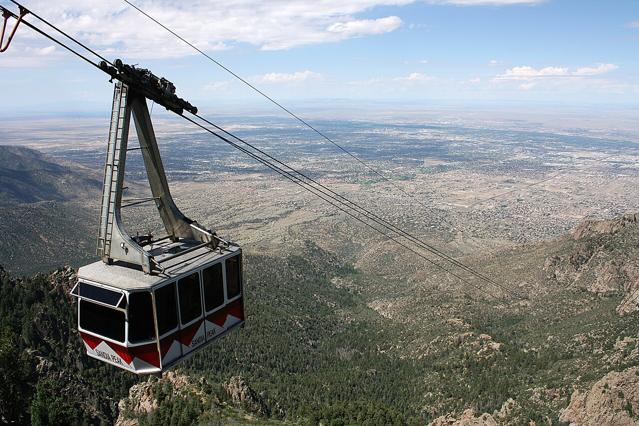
459, 51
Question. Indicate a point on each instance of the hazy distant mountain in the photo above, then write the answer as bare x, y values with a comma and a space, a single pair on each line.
27, 176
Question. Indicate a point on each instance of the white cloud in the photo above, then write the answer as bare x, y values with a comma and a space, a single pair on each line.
634, 24
22, 56
415, 77
553, 78
365, 26
527, 86
599, 69
296, 77
419, 61
44, 51
403, 82
117, 30
527, 73
468, 83
493, 62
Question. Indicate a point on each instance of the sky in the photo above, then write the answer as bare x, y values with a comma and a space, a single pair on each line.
574, 52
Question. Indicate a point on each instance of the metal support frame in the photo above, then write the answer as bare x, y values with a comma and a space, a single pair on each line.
114, 243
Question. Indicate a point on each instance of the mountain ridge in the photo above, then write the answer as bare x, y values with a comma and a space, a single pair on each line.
28, 176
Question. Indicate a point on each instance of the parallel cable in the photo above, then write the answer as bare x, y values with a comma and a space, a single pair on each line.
415, 240
272, 166
333, 201
276, 103
371, 215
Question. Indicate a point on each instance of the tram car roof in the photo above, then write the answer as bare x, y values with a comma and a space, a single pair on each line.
125, 276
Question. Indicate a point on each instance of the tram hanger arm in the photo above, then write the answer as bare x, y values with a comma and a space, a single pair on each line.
6, 14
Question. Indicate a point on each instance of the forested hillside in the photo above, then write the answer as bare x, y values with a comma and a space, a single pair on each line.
47, 379
314, 351
309, 349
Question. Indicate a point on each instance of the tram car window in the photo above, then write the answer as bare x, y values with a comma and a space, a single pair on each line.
141, 306
141, 324
166, 303
213, 282
98, 319
189, 296
233, 279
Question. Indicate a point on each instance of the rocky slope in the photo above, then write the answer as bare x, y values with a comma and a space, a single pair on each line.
158, 400
600, 257
613, 400
48, 380
577, 324
292, 346
41, 236
507, 414
320, 347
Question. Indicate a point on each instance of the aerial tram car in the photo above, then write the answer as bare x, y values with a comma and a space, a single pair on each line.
149, 303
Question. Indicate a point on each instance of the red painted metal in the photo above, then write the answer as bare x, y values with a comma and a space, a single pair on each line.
6, 15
